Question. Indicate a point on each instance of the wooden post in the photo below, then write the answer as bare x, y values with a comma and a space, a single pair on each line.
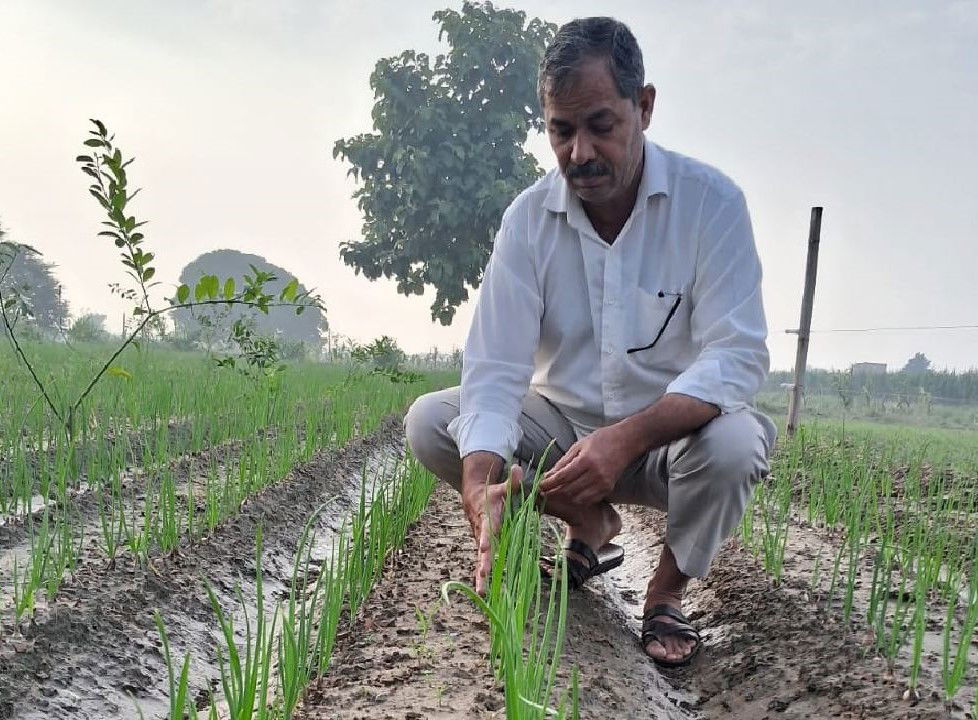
805, 328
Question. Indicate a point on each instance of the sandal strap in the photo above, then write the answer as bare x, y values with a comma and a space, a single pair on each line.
653, 629
667, 611
658, 630
584, 550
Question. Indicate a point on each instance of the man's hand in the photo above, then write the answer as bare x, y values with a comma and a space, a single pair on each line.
483, 502
588, 471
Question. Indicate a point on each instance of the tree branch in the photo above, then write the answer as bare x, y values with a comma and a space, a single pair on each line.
27, 363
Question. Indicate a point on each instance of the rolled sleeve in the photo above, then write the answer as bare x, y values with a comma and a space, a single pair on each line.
727, 319
498, 359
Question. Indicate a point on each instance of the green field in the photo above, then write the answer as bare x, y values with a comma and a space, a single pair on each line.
874, 522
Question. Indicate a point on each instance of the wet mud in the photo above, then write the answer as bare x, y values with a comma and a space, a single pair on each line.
769, 652
94, 651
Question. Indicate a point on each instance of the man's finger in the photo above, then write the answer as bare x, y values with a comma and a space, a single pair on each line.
557, 477
483, 560
567, 474
572, 491
515, 477
564, 459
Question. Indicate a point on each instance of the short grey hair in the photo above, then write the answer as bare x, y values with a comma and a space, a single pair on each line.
586, 38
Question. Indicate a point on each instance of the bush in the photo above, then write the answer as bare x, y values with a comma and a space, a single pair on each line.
90, 327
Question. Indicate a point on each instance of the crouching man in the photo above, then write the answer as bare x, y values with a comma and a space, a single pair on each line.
620, 316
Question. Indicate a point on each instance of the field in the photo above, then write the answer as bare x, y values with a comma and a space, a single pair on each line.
216, 545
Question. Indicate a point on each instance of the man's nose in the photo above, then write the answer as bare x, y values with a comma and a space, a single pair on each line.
583, 150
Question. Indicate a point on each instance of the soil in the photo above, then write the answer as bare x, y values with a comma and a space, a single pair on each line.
769, 652
94, 651
415, 657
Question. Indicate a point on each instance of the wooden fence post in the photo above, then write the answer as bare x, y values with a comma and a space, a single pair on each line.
805, 327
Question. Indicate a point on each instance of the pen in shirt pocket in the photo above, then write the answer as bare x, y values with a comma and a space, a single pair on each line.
678, 298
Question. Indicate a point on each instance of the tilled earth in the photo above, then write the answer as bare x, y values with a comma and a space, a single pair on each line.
769, 652
412, 657
94, 651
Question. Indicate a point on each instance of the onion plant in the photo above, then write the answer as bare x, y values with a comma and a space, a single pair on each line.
526, 631
265, 669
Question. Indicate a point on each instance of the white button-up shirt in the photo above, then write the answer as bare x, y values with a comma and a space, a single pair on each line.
604, 330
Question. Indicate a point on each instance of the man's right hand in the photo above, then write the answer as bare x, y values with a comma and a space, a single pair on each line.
483, 501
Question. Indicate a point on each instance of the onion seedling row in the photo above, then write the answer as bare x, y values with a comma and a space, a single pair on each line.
900, 508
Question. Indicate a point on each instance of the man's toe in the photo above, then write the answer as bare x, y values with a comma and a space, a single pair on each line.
657, 650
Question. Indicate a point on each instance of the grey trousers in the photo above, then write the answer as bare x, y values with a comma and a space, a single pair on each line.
703, 481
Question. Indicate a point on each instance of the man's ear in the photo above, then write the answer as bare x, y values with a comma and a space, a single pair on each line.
646, 101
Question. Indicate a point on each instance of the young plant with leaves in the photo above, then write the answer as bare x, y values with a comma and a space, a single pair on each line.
106, 164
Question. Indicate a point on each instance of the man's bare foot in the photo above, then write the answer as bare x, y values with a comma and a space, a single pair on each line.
673, 648
595, 526
666, 588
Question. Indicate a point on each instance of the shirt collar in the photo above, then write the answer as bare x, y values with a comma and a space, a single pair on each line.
655, 181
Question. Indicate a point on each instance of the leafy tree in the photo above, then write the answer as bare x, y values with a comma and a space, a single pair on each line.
385, 357
211, 325
446, 157
90, 327
32, 280
918, 364
384, 353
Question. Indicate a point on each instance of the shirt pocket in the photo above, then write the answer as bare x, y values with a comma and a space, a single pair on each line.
659, 329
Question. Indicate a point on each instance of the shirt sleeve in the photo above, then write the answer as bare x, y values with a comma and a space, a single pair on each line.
727, 320
498, 360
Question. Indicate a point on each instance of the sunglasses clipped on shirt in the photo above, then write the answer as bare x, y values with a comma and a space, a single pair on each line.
665, 323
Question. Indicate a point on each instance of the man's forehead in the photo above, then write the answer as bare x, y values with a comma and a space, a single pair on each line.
559, 116
587, 91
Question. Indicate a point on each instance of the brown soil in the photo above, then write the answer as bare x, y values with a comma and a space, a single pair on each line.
768, 653
94, 651
397, 665
772, 652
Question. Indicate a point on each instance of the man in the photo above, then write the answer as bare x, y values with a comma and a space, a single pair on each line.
620, 316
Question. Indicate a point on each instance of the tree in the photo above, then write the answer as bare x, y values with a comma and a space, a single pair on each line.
917, 365
90, 327
447, 156
32, 280
212, 325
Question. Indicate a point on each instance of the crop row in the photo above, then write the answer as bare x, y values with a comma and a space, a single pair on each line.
267, 664
902, 510
266, 428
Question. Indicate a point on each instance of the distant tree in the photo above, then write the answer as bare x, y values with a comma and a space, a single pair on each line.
90, 327
918, 364
32, 280
384, 353
842, 384
447, 156
211, 326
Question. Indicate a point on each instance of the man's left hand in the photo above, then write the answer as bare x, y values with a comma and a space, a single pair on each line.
588, 471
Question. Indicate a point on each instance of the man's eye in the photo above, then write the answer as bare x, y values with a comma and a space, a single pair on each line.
602, 129
561, 132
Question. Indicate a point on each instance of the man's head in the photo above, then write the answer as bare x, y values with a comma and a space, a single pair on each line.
596, 106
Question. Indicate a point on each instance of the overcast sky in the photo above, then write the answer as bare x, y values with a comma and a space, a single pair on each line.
232, 107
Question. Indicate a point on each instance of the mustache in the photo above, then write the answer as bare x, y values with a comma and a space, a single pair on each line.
587, 170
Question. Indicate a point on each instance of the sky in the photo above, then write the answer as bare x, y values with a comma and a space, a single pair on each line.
231, 108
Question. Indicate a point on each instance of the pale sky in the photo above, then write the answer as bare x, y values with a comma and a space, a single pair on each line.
232, 108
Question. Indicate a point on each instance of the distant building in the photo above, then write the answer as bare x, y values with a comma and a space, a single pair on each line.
868, 368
